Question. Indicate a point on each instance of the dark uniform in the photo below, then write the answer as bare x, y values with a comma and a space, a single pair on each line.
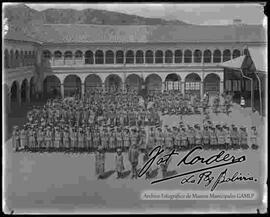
133, 156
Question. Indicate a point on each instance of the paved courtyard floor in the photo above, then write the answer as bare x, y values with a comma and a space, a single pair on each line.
59, 182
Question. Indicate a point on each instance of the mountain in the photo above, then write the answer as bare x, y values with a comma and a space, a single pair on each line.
20, 16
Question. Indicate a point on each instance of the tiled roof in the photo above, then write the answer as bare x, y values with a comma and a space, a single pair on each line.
19, 36
76, 33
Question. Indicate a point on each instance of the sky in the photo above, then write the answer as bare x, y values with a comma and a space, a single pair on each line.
200, 14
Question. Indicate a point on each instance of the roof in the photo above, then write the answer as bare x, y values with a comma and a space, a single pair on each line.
18, 36
235, 63
85, 33
259, 58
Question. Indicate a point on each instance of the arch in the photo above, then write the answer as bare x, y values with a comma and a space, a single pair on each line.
178, 56
11, 59
149, 57
68, 55
129, 57
119, 57
193, 84
153, 83
236, 53
24, 89
207, 56
159, 56
99, 57
187, 56
6, 54
133, 82
78, 54
139, 57
92, 81
58, 54
211, 83
17, 56
168, 56
226, 55
173, 82
89, 57
217, 56
72, 85
113, 83
51, 86
246, 52
14, 91
109, 57
197, 56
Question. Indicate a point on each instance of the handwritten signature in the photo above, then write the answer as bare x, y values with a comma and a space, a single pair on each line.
205, 174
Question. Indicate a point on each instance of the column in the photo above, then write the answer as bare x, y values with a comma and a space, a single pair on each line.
173, 58
103, 86
144, 58
201, 89
62, 90
27, 94
163, 86
183, 87
83, 59
19, 97
82, 90
8, 100
221, 87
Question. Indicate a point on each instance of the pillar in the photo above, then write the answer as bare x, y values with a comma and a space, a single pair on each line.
163, 86
201, 89
103, 86
82, 90
221, 87
183, 87
62, 90
19, 97
8, 100
28, 94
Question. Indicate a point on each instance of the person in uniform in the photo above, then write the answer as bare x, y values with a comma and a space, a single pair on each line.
80, 139
206, 137
213, 138
119, 138
243, 138
133, 156
112, 140
198, 135
253, 138
88, 139
143, 139
220, 137
96, 139
235, 138
32, 139
164, 165
184, 140
126, 138
15, 139
23, 138
40, 138
190, 137
228, 142
48, 139
57, 139
168, 140
66, 137
119, 163
72, 138
100, 161
151, 140
103, 139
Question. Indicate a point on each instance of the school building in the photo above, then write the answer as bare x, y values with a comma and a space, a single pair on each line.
63, 59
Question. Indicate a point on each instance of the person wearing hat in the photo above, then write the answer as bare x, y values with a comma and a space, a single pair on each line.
40, 138
57, 139
190, 136
133, 156
213, 138
206, 137
243, 138
96, 139
227, 134
178, 138
80, 139
32, 139
168, 139
119, 163
112, 140
15, 139
221, 137
198, 135
253, 138
119, 138
72, 135
164, 165
66, 139
235, 137
100, 161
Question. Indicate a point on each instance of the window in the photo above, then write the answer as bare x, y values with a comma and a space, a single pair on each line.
207, 56
99, 57
119, 57
159, 56
57, 54
78, 54
226, 55
139, 57
109, 57
197, 56
236, 53
149, 57
130, 57
178, 56
168, 56
217, 56
68, 55
188, 56
89, 57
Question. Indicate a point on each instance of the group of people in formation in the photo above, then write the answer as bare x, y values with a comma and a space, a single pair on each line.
109, 122
173, 102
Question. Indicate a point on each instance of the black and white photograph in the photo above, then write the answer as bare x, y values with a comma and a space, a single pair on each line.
134, 108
